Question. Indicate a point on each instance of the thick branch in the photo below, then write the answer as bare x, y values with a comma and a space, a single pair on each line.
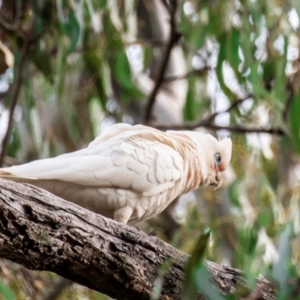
44, 232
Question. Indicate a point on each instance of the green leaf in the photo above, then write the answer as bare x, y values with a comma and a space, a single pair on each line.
72, 30
280, 270
158, 283
280, 76
122, 72
42, 61
248, 240
102, 3
233, 43
219, 69
94, 66
14, 143
114, 39
6, 292
295, 121
255, 78
266, 216
190, 286
189, 112
205, 286
148, 54
196, 37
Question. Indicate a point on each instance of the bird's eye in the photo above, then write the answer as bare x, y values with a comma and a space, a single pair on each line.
218, 159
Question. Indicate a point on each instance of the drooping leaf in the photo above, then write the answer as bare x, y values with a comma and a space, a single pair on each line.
222, 57
205, 285
6, 292
121, 71
233, 43
295, 121
148, 53
41, 59
280, 270
190, 286
93, 65
72, 30
158, 284
248, 240
280, 75
266, 217
189, 111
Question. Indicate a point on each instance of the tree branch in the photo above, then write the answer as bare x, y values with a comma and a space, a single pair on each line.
234, 128
233, 105
15, 27
15, 96
43, 232
208, 123
186, 75
28, 37
173, 38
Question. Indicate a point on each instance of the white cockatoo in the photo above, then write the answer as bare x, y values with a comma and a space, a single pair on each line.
130, 173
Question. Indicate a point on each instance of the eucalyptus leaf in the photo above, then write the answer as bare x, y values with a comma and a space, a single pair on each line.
6, 292
205, 285
195, 262
295, 121
122, 72
72, 30
280, 269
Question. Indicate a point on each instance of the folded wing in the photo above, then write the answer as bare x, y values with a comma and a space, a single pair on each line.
125, 160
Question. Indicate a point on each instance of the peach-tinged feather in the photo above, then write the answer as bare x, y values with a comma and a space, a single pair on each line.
129, 172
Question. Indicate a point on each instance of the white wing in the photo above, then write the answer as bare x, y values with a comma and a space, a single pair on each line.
119, 158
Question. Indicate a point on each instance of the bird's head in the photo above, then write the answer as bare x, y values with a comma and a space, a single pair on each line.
214, 157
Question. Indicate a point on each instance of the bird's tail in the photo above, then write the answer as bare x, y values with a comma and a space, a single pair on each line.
4, 173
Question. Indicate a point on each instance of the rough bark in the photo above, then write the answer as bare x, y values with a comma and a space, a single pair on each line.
43, 232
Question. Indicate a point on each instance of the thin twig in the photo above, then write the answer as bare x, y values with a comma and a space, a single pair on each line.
173, 37
15, 96
150, 42
209, 124
186, 75
234, 128
12, 27
233, 105
17, 29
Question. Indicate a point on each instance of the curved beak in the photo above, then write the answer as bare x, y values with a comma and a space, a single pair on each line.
218, 181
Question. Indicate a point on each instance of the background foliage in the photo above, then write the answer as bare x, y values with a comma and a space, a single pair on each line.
71, 68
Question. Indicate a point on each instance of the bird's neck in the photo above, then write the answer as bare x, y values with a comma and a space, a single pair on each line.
189, 152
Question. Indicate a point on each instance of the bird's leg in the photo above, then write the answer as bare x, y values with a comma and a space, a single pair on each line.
123, 214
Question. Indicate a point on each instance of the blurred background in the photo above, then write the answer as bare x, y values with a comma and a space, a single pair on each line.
70, 68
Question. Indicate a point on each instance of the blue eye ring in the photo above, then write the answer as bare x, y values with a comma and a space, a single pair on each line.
217, 159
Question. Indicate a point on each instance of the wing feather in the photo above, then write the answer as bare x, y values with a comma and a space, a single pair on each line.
121, 158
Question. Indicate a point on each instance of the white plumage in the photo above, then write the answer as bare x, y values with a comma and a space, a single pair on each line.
130, 173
